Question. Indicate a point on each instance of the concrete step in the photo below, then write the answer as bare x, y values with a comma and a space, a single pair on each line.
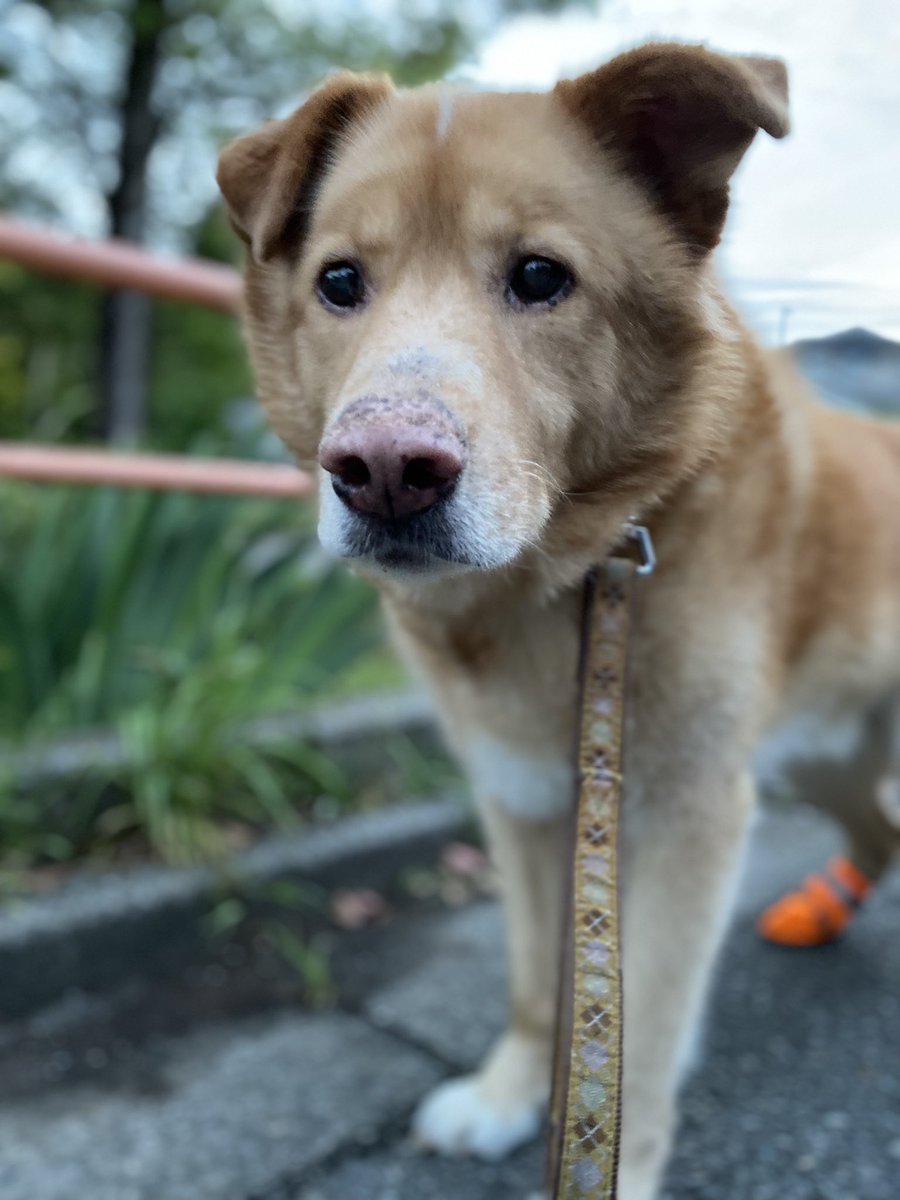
232, 1112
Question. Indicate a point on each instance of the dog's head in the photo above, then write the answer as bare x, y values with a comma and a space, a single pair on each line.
479, 313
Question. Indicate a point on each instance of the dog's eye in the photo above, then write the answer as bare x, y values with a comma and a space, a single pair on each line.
342, 285
539, 281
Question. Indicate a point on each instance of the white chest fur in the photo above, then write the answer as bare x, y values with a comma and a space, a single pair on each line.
532, 786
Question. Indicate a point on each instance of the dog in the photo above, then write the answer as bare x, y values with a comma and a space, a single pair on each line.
493, 321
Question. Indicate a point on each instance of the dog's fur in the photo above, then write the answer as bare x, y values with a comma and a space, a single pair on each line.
641, 393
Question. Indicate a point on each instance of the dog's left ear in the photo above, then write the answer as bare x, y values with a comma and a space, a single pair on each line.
679, 119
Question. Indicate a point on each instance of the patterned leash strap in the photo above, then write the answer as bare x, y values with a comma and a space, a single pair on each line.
585, 1113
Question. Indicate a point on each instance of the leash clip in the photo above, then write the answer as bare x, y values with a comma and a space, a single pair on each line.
641, 535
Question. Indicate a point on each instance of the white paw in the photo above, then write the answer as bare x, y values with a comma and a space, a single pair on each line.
456, 1118
637, 1184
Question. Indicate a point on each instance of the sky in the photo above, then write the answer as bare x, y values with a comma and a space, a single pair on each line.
813, 241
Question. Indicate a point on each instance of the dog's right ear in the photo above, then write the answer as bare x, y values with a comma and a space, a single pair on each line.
268, 177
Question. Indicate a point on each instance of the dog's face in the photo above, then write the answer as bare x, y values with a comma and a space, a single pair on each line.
477, 312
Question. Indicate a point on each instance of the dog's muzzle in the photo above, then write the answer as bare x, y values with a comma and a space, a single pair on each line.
394, 465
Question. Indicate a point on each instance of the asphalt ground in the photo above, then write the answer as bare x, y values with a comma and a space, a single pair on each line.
217, 1085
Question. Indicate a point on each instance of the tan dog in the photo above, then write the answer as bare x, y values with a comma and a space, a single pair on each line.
494, 322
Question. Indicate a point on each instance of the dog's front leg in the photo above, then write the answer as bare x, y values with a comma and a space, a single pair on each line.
683, 844
502, 1105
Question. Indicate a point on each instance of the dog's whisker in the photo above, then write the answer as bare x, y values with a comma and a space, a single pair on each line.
544, 473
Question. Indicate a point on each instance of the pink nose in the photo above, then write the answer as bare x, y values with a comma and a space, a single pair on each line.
393, 460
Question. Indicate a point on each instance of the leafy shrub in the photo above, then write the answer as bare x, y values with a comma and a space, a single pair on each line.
174, 620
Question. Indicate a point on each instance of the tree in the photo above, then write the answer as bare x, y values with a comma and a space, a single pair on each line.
125, 328
116, 108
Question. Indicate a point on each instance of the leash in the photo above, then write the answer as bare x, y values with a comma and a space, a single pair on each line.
586, 1105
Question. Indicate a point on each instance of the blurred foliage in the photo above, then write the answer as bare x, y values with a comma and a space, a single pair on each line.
199, 364
46, 355
199, 367
107, 596
224, 66
175, 621
285, 918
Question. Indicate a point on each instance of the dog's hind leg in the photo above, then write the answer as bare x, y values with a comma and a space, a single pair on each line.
863, 794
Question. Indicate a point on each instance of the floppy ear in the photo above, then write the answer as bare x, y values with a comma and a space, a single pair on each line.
679, 119
268, 177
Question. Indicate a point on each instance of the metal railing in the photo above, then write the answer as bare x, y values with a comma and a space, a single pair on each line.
160, 472
118, 264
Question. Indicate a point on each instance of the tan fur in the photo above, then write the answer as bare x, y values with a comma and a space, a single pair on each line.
778, 589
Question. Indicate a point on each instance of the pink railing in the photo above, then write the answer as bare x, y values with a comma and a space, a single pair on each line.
118, 264
161, 472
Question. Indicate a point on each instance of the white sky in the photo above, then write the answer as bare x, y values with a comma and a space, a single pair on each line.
813, 243
815, 220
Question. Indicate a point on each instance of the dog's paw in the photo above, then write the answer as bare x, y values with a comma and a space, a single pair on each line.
457, 1118
638, 1183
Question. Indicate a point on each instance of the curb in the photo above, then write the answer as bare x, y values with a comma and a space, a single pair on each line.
103, 927
350, 724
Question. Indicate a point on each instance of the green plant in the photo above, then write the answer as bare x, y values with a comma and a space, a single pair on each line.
288, 917
188, 764
46, 354
310, 959
177, 622
106, 597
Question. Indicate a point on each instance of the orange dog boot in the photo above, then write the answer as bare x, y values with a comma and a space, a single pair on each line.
820, 911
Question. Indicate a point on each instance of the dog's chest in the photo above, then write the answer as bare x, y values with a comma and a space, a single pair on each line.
533, 785
505, 686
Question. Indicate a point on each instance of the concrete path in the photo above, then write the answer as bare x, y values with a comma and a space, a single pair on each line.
217, 1086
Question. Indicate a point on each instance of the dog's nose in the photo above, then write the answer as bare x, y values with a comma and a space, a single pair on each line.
393, 468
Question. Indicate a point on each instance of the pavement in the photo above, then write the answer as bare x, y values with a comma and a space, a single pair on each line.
216, 1084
